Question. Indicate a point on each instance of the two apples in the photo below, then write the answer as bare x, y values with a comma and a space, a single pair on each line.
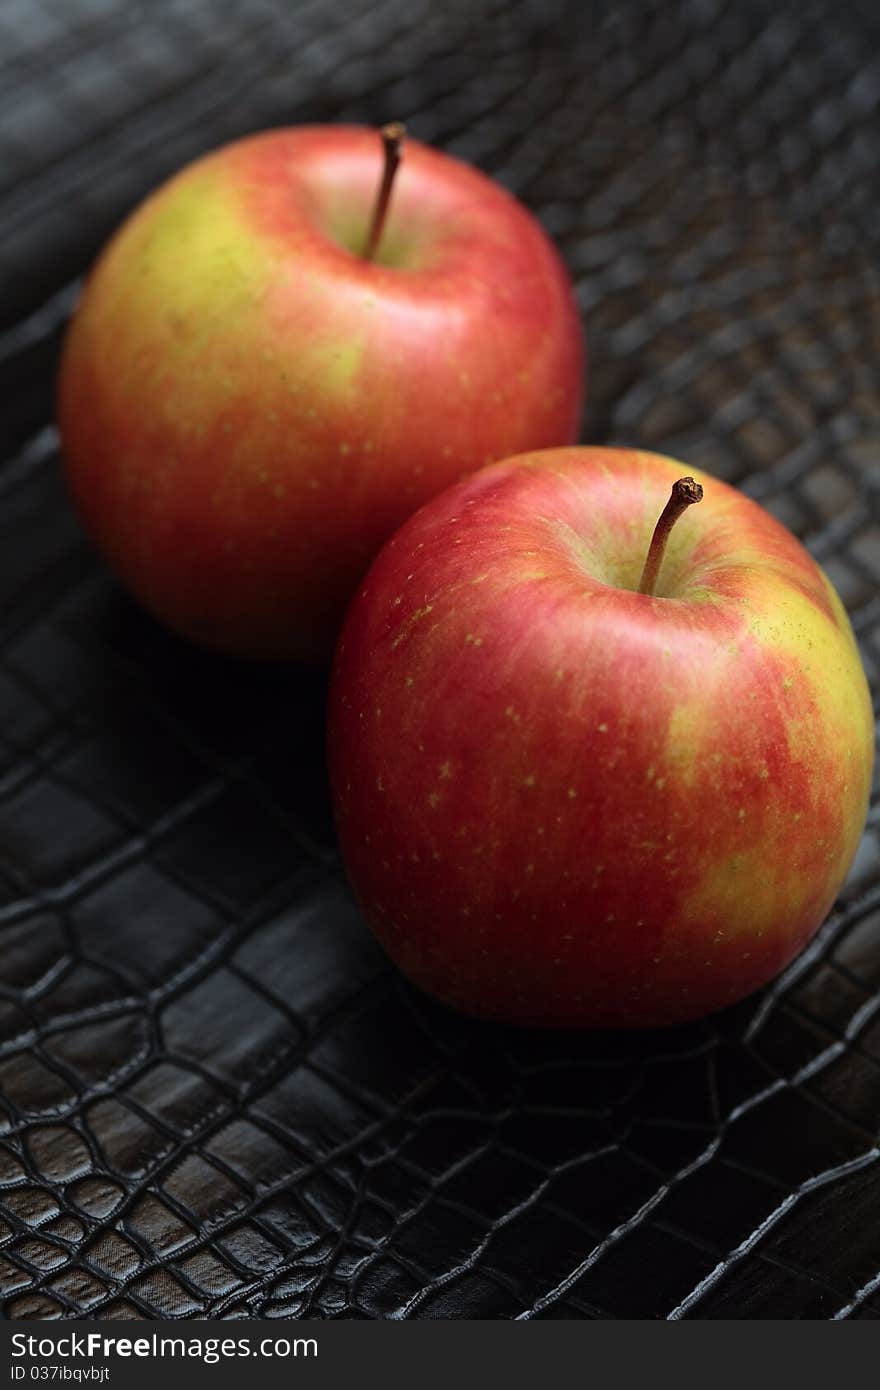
565, 797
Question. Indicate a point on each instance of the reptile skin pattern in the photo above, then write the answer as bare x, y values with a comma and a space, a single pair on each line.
216, 1097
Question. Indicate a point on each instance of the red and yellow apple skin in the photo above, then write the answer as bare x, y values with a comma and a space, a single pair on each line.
565, 803
249, 409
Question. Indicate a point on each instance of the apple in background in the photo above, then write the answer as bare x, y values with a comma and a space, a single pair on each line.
564, 801
273, 365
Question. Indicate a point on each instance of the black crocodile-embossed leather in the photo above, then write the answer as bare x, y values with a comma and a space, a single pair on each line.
215, 1096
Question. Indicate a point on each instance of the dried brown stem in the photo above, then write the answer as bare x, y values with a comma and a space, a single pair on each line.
684, 493
393, 136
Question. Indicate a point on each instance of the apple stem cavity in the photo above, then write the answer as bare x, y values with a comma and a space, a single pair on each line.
684, 493
393, 136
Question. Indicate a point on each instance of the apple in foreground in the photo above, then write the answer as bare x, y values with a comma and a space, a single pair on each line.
581, 782
276, 360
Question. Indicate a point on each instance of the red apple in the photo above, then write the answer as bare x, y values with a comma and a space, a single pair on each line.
566, 802
249, 406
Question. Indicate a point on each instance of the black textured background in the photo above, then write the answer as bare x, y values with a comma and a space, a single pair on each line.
216, 1097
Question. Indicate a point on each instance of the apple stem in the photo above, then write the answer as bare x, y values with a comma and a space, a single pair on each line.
684, 493
393, 136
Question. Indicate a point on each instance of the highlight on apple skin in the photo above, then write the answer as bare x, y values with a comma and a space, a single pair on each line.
249, 407
566, 803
